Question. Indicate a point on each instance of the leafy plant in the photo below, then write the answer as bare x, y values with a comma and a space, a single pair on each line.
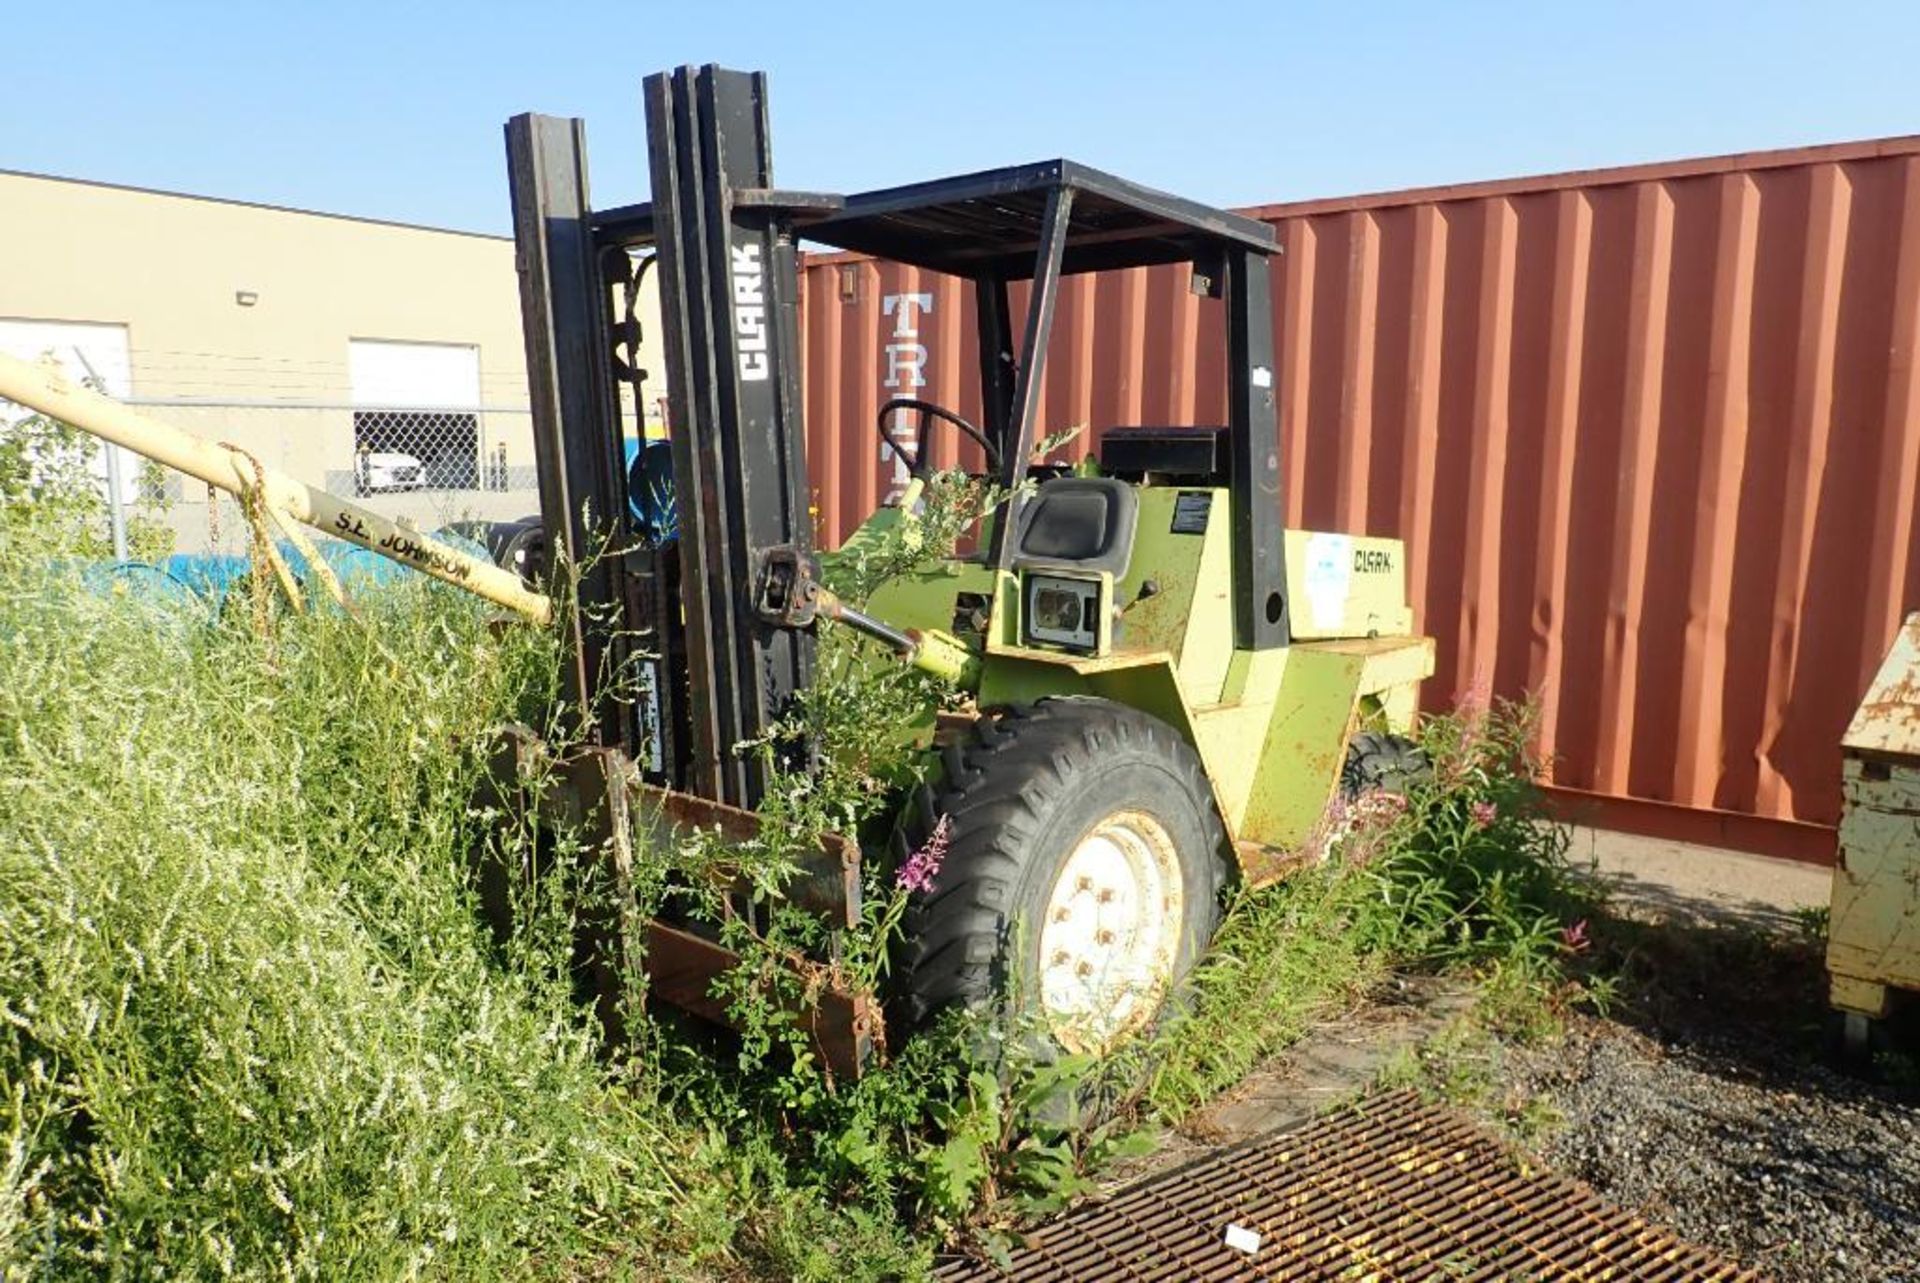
1813, 922
51, 499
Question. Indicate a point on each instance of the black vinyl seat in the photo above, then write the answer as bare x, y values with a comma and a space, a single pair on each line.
1078, 523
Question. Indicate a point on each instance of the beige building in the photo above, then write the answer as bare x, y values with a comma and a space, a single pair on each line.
363, 356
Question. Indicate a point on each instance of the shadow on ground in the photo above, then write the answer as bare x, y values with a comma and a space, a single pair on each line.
1658, 899
1750, 989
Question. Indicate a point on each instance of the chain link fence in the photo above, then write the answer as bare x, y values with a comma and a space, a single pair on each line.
423, 467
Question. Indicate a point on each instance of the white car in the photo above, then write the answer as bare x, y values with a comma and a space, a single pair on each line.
390, 470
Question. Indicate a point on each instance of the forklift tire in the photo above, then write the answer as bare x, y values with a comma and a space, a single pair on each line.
1082, 874
1383, 760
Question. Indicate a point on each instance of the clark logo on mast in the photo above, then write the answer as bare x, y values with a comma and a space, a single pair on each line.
750, 312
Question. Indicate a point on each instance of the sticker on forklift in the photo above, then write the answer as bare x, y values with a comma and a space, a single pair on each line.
654, 755
1329, 574
1190, 511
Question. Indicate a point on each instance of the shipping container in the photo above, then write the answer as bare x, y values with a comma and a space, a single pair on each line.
1650, 435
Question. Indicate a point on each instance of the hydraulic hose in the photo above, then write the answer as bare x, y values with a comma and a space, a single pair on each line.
929, 649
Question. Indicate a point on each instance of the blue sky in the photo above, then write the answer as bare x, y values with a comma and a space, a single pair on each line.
394, 110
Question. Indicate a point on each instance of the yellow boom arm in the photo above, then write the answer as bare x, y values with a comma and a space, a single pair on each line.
46, 389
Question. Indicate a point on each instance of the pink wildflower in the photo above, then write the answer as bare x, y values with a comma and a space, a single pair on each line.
1483, 813
919, 870
1475, 702
1574, 938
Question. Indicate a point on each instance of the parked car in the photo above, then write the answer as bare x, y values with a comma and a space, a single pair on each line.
382, 470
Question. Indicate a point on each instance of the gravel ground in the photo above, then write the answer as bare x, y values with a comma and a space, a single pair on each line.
1705, 1104
1799, 1174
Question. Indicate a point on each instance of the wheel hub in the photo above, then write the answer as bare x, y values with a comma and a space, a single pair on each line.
1111, 932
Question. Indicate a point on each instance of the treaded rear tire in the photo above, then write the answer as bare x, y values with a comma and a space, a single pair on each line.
1383, 760
1017, 791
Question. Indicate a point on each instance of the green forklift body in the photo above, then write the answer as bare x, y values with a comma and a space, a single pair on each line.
1270, 726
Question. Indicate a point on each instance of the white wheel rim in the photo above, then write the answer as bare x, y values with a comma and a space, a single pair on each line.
1111, 932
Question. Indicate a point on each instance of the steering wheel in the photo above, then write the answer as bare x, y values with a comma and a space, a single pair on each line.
928, 410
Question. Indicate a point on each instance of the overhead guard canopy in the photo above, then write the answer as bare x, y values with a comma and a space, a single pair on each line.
987, 225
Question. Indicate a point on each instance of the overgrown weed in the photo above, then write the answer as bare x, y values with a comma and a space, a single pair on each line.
250, 1023
1468, 873
52, 500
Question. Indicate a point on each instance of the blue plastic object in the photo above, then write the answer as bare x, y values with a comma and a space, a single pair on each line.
139, 579
209, 576
650, 495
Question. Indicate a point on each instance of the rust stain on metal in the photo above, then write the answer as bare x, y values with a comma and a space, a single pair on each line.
1888, 719
828, 881
1873, 945
1390, 1189
845, 1024
1652, 436
1264, 865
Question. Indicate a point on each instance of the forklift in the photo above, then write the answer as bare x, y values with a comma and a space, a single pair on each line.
1167, 691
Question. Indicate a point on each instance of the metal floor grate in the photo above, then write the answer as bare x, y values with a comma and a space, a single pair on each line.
1390, 1189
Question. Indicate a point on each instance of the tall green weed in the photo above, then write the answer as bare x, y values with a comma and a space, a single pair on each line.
250, 1025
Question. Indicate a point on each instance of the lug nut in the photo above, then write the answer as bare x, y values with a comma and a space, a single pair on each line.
1105, 896
1103, 937
1084, 884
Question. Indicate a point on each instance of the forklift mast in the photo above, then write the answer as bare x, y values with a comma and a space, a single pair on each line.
668, 647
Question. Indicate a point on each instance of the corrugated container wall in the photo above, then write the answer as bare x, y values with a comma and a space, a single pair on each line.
1650, 436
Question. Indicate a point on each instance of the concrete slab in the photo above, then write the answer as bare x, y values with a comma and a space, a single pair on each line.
1682, 881
1336, 1060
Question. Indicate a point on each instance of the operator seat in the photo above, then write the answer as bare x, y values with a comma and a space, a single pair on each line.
1078, 523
